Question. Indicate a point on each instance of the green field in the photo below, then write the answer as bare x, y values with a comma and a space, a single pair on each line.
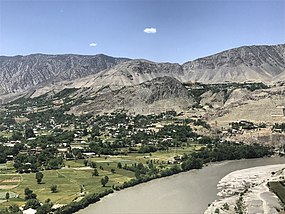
70, 178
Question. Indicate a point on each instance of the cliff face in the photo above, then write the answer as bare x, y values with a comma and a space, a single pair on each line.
19, 73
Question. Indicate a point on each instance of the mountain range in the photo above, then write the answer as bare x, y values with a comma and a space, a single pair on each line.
19, 73
264, 63
104, 84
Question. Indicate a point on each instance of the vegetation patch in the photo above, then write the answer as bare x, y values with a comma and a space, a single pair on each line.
278, 188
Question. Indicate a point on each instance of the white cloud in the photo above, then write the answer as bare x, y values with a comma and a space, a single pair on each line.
92, 44
150, 30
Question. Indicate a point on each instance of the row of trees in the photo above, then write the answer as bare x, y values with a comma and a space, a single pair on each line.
231, 151
88, 199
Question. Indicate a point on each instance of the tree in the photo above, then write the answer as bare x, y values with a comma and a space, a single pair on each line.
3, 154
14, 209
39, 177
192, 163
29, 194
119, 165
32, 203
93, 164
95, 131
104, 181
7, 196
28, 191
113, 171
53, 188
95, 172
45, 208
17, 135
55, 163
77, 153
29, 133
85, 132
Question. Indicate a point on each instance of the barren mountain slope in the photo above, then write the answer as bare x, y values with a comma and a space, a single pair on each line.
20, 73
43, 73
257, 106
249, 63
159, 94
135, 72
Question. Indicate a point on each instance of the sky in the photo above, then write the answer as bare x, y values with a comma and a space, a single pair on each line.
157, 30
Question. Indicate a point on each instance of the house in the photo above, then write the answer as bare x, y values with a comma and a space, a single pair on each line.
10, 157
76, 147
9, 144
89, 154
29, 211
62, 150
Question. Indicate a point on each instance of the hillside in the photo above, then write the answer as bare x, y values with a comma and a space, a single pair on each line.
20, 73
263, 63
244, 64
155, 96
249, 63
117, 83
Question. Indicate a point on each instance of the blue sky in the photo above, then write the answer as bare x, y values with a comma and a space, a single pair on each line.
176, 30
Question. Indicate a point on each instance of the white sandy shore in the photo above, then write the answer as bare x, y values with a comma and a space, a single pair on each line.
257, 200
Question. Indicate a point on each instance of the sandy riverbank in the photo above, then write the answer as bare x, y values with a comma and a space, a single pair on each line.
256, 200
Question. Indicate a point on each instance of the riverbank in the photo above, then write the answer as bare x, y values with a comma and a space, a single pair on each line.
246, 190
187, 192
195, 160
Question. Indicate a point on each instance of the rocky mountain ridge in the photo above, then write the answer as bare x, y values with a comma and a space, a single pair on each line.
263, 63
19, 73
120, 83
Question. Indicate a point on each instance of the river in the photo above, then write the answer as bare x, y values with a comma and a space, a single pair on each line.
184, 193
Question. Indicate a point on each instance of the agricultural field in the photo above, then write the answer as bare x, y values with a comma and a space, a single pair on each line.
68, 181
75, 179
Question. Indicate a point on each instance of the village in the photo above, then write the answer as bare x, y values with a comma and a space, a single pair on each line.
107, 152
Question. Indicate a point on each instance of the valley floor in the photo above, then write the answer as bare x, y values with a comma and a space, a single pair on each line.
75, 180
